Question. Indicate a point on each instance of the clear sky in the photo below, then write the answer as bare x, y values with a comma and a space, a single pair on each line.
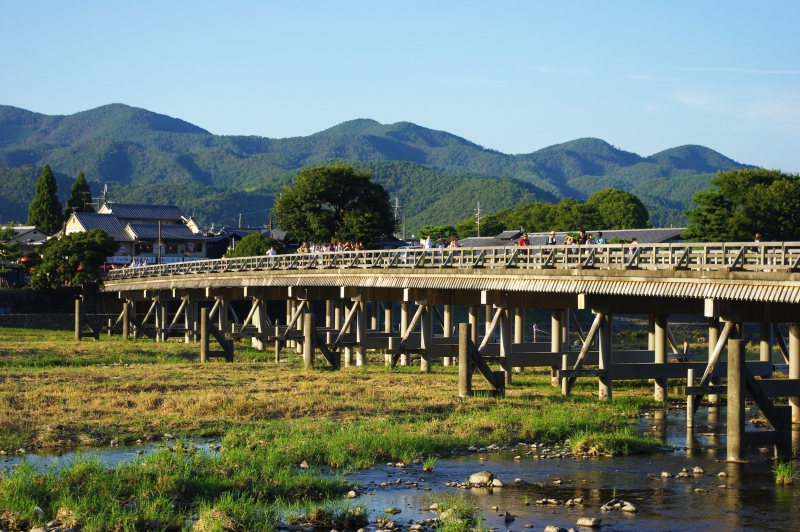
511, 76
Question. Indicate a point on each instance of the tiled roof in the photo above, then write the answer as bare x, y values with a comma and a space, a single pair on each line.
107, 222
168, 232
509, 235
131, 211
484, 242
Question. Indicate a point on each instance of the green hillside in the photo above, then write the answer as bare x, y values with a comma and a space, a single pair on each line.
438, 176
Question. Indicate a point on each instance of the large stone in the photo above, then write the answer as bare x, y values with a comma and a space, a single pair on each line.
591, 522
304, 465
497, 483
481, 477
554, 528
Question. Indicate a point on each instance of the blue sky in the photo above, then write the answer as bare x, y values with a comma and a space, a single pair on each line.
511, 76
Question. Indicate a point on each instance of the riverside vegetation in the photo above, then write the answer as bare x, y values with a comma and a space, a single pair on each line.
58, 393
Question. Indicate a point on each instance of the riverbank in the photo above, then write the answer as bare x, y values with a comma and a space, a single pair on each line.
271, 418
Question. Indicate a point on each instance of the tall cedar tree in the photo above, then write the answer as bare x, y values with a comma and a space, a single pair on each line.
335, 202
81, 198
45, 210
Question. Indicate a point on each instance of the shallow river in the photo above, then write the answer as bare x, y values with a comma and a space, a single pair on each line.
745, 499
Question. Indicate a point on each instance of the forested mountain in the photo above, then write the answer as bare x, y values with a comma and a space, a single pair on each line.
438, 176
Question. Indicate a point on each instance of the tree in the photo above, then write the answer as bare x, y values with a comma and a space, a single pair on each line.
619, 209
45, 210
743, 202
438, 231
253, 245
72, 259
335, 202
81, 198
9, 251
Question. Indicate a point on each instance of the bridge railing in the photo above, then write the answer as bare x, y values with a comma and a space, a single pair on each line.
727, 256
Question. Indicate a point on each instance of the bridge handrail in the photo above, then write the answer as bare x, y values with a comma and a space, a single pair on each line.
717, 256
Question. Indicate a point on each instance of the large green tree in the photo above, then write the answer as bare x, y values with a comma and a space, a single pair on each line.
9, 251
253, 245
80, 199
741, 203
619, 209
72, 259
335, 202
45, 210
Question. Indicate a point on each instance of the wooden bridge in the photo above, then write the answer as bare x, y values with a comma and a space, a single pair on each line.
362, 293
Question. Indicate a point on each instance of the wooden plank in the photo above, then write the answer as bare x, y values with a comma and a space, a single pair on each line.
574, 373
764, 404
712, 360
483, 367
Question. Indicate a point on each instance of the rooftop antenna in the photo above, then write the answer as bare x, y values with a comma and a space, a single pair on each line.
478, 219
397, 217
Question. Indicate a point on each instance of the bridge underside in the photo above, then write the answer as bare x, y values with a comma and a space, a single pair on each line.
407, 314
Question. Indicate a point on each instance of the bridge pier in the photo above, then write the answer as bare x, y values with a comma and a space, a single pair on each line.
447, 328
660, 349
735, 428
766, 342
713, 338
405, 307
473, 323
556, 342
426, 340
519, 330
794, 367
605, 390
361, 332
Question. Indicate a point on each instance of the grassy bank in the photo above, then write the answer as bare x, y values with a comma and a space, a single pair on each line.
271, 417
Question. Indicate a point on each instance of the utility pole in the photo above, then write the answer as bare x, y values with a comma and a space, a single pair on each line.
397, 217
240, 220
159, 241
478, 219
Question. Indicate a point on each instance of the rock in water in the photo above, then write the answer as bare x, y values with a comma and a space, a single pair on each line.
304, 465
481, 477
508, 518
554, 528
628, 507
351, 494
591, 522
497, 483
698, 471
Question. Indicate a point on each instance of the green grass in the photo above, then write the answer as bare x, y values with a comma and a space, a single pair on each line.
784, 472
458, 514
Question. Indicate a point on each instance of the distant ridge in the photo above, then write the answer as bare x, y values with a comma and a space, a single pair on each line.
132, 148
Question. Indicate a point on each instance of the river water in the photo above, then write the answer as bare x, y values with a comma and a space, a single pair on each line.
746, 499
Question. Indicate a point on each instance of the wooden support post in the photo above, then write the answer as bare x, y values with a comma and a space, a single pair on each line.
464, 361
77, 320
373, 316
556, 341
388, 316
308, 340
259, 341
328, 313
447, 328
163, 324
426, 340
473, 323
564, 380
347, 351
605, 390
337, 315
487, 321
794, 366
222, 316
204, 335
190, 321
660, 348
405, 308
690, 400
126, 321
505, 342
651, 333
735, 400
519, 330
765, 342
277, 344
361, 333
713, 340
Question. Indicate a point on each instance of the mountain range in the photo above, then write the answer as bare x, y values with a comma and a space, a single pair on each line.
438, 177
